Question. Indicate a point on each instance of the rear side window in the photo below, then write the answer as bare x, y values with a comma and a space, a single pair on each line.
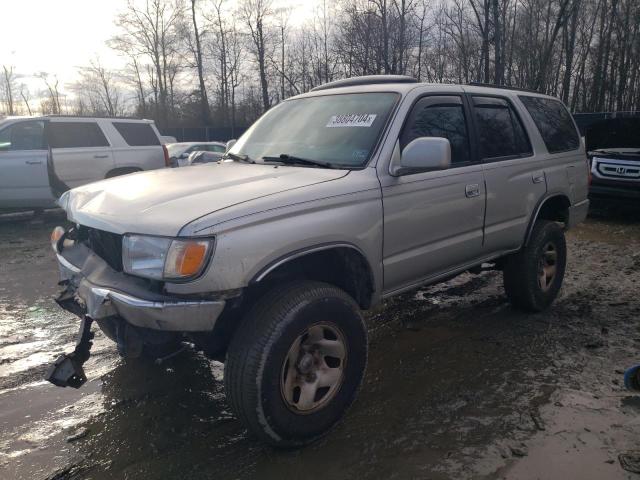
23, 136
76, 135
137, 134
439, 116
500, 132
554, 123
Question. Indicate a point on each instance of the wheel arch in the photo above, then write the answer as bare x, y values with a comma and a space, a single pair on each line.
554, 207
341, 264
115, 172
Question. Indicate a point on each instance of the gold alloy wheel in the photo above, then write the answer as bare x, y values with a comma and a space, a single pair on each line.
547, 266
313, 369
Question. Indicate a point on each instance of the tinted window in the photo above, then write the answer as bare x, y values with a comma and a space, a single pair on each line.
554, 123
500, 131
23, 136
439, 117
76, 135
137, 134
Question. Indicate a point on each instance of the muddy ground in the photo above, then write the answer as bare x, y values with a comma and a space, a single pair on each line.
459, 385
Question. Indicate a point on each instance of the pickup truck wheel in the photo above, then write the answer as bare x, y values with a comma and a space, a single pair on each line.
296, 362
533, 276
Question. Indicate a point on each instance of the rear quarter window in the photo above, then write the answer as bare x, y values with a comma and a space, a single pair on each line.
554, 123
137, 134
76, 135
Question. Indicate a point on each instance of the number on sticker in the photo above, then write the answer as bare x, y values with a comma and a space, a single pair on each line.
352, 120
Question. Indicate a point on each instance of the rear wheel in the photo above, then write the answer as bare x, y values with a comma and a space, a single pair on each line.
296, 362
533, 276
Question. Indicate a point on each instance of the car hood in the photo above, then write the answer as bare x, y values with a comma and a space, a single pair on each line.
161, 202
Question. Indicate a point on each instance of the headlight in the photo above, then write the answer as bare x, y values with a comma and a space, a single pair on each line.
164, 258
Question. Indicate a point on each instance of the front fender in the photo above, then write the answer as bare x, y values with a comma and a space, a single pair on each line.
250, 245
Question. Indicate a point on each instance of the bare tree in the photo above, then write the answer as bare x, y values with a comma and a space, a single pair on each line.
25, 95
195, 46
256, 15
99, 90
7, 89
149, 29
51, 102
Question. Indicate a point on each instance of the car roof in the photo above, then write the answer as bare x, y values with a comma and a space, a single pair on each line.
404, 88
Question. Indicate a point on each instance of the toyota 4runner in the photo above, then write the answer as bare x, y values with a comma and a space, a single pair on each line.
330, 203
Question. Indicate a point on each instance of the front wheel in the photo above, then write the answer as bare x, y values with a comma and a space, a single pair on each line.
533, 276
295, 364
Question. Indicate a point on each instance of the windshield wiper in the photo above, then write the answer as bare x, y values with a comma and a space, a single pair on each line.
293, 160
237, 157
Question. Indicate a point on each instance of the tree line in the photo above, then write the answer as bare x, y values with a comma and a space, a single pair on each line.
223, 63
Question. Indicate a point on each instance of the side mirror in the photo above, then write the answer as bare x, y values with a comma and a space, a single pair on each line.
230, 144
184, 155
423, 154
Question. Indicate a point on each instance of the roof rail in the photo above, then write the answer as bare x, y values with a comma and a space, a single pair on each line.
504, 87
93, 116
366, 80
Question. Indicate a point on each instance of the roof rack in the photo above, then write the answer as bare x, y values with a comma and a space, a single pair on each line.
366, 80
504, 87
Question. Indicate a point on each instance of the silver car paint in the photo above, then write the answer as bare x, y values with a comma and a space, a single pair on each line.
411, 229
24, 181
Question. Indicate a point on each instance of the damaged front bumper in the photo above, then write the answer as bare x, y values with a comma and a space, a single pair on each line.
94, 289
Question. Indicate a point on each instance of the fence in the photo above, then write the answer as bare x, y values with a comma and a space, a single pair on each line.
203, 134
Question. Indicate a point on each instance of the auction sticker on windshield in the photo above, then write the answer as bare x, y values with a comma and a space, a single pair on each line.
352, 120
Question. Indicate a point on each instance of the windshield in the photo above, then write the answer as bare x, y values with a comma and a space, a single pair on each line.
336, 130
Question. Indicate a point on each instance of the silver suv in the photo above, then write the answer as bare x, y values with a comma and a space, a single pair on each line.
330, 203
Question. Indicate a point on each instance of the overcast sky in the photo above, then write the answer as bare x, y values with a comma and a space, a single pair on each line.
57, 36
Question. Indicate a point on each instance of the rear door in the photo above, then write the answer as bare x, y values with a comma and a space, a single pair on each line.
136, 145
24, 182
433, 220
515, 179
81, 152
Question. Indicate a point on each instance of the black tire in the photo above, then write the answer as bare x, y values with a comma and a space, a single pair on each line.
256, 356
522, 271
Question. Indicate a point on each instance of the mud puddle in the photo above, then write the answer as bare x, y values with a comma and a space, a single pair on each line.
459, 385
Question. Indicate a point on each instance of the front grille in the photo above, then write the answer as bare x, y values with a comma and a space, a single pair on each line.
106, 245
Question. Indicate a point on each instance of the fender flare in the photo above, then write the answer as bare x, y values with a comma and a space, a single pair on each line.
536, 212
273, 265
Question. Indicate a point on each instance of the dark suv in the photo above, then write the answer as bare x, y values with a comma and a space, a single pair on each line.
613, 148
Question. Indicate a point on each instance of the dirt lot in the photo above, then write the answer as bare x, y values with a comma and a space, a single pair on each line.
459, 385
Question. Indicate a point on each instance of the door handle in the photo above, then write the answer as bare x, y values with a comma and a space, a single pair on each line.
538, 177
472, 190
101, 156
33, 162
